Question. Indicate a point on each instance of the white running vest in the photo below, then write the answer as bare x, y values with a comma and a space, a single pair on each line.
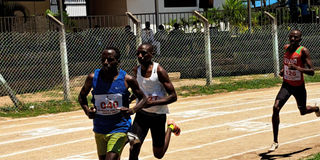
154, 89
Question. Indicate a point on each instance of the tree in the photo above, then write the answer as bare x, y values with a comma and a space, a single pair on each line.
235, 12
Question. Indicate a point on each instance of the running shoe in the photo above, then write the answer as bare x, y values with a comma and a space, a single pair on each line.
133, 138
174, 127
318, 112
273, 147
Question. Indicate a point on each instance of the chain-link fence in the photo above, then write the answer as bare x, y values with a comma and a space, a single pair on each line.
31, 62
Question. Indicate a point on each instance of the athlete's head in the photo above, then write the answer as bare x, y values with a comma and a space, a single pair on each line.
145, 53
295, 37
110, 59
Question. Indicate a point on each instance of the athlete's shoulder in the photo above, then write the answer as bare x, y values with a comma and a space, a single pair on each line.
90, 75
128, 78
160, 69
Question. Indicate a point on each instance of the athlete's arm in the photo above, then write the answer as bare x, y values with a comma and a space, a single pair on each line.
281, 72
306, 60
133, 84
165, 80
134, 70
82, 98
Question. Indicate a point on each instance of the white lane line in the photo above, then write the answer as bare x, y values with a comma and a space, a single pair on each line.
224, 97
41, 122
46, 147
74, 117
192, 105
181, 121
230, 94
177, 113
71, 130
61, 125
240, 121
149, 139
79, 156
237, 111
28, 118
230, 139
287, 103
265, 147
204, 128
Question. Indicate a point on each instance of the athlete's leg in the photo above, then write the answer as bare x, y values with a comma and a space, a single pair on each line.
160, 137
281, 99
171, 128
300, 94
115, 145
101, 146
139, 128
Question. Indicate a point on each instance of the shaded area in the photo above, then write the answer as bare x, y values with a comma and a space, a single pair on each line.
267, 156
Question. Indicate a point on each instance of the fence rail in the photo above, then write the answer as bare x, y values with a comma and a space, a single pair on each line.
31, 62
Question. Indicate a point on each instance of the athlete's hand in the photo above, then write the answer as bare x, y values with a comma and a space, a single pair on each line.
126, 111
91, 112
292, 66
281, 73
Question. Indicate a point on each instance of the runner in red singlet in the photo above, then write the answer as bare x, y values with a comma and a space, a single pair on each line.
296, 61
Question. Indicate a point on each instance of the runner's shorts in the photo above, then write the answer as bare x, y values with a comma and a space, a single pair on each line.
113, 142
144, 121
299, 93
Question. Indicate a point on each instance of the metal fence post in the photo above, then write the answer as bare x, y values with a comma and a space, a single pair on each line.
138, 27
275, 44
64, 59
7, 88
207, 47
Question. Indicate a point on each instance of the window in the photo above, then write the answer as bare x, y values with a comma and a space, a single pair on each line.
180, 3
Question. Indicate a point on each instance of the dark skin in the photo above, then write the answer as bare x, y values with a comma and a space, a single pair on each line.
109, 73
294, 39
145, 54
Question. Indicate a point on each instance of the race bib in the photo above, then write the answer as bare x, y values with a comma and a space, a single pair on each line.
107, 104
292, 75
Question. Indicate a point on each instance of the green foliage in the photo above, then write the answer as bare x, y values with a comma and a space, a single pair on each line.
66, 20
214, 16
234, 11
316, 9
170, 24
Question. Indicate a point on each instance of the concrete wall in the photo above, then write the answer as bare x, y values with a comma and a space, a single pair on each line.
107, 7
140, 6
147, 6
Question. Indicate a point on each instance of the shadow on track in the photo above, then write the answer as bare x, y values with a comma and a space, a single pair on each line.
269, 156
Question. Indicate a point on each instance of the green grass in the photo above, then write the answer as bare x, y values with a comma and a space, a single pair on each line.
312, 157
48, 107
228, 86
